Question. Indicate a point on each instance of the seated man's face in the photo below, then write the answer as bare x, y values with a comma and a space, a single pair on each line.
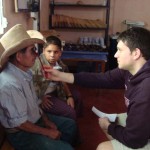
26, 59
52, 53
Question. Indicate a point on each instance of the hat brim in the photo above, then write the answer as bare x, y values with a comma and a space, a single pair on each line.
18, 46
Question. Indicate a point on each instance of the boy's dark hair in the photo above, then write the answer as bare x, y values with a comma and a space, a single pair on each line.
137, 37
53, 40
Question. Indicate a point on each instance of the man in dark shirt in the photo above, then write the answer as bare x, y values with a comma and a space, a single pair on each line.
132, 131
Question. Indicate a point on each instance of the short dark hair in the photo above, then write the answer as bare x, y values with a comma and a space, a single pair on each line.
137, 37
53, 40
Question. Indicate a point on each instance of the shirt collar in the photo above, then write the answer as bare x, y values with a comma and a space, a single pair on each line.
20, 73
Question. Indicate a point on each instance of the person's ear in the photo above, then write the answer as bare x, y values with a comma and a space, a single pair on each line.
18, 56
137, 53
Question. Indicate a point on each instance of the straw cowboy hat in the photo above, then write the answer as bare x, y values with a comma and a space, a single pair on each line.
16, 39
1, 50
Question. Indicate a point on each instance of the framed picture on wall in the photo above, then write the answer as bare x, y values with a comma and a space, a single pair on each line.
26, 5
21, 5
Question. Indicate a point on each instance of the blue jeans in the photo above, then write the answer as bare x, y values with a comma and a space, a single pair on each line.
30, 141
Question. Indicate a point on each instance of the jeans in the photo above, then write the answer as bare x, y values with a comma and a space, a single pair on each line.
30, 141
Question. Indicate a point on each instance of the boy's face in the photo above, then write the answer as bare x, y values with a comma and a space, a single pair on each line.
52, 53
125, 57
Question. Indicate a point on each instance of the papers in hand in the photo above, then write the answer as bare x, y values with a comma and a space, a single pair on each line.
111, 117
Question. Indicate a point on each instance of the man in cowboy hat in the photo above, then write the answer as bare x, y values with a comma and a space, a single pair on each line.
27, 127
1, 51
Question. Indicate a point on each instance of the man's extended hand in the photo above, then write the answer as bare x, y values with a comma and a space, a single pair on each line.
54, 74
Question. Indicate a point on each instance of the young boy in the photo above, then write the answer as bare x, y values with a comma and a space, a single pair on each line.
57, 98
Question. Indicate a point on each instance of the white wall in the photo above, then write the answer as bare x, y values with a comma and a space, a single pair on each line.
137, 10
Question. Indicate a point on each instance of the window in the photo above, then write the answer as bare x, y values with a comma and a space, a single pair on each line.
3, 20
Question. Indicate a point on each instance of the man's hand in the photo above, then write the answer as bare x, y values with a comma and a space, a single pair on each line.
54, 134
54, 74
50, 124
33, 128
46, 102
104, 123
52, 130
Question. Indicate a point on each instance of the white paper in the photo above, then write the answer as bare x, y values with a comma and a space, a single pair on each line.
111, 117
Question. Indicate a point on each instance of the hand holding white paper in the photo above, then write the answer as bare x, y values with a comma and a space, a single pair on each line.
111, 117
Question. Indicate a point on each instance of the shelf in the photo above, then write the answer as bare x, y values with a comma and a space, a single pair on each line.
81, 55
77, 5
63, 22
75, 28
78, 56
